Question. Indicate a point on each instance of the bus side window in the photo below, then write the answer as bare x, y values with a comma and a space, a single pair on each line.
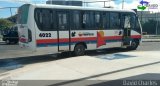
62, 20
105, 20
88, 20
75, 20
91, 20
38, 18
46, 19
114, 21
98, 20
85, 17
53, 21
127, 22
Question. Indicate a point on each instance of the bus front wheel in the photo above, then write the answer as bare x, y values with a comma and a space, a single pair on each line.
79, 50
134, 45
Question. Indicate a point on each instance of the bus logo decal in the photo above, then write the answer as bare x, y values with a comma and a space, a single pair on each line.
73, 34
85, 34
100, 39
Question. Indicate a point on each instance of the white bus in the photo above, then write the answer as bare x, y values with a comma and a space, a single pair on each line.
58, 28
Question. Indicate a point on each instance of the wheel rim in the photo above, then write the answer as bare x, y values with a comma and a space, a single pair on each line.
134, 44
7, 41
79, 50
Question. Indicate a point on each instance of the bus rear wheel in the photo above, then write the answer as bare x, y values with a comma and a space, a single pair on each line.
79, 50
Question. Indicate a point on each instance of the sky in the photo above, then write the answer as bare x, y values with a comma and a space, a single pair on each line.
117, 4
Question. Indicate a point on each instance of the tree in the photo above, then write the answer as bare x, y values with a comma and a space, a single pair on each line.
13, 18
5, 24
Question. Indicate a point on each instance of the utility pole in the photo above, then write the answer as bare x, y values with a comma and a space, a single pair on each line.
10, 11
104, 2
10, 8
122, 4
157, 24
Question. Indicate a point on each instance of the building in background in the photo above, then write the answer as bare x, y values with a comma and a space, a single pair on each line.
64, 2
150, 22
147, 15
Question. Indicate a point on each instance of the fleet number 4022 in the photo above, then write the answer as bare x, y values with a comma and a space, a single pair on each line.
45, 35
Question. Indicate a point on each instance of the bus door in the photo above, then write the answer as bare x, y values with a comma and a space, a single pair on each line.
63, 32
126, 29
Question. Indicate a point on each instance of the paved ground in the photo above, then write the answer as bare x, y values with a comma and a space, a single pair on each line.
12, 51
109, 64
149, 46
142, 65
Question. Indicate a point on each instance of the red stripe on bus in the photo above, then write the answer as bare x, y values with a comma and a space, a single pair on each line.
84, 39
113, 37
136, 36
64, 40
39, 41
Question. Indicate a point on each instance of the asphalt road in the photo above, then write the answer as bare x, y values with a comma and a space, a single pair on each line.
145, 46
149, 46
15, 50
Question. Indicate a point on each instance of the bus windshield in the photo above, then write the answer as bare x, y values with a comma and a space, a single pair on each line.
23, 14
138, 27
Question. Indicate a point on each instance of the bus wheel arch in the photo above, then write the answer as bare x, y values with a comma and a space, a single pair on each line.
79, 49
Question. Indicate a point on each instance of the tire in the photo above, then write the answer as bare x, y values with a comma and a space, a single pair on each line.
134, 45
7, 41
65, 54
79, 50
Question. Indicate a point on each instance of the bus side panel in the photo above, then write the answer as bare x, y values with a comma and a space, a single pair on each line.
88, 37
46, 44
135, 35
96, 39
113, 38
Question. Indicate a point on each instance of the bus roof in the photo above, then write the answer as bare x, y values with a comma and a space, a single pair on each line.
79, 8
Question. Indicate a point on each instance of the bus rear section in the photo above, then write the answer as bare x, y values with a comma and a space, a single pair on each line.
26, 27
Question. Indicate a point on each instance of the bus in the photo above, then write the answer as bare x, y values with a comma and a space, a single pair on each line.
56, 28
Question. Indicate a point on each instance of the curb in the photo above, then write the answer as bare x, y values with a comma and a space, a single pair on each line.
2, 42
150, 41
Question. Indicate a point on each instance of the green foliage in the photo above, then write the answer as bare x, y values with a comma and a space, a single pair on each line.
5, 24
13, 18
